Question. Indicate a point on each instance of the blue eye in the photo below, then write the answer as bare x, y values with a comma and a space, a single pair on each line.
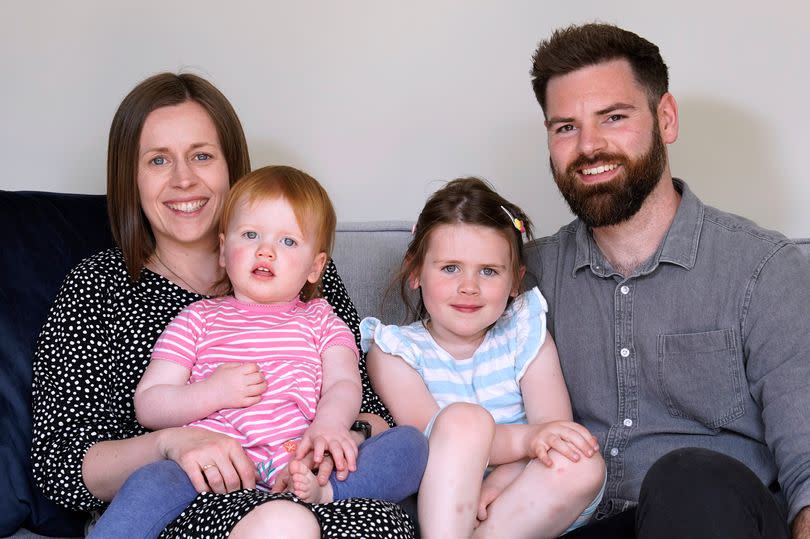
159, 160
202, 157
488, 272
250, 234
288, 242
452, 268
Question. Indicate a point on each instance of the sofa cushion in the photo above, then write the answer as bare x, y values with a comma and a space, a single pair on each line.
44, 235
368, 255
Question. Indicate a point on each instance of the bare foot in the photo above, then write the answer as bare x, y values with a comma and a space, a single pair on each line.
304, 484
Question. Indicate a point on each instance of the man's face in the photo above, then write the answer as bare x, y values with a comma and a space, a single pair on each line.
605, 146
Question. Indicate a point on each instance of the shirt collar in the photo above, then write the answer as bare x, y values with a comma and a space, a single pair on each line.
678, 247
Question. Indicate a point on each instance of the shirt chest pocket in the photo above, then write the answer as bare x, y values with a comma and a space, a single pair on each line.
700, 376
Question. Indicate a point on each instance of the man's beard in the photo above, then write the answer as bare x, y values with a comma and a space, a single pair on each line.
619, 199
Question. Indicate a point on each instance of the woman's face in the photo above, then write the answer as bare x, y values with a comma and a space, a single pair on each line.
182, 176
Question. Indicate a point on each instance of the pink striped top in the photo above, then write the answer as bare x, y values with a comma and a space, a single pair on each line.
286, 340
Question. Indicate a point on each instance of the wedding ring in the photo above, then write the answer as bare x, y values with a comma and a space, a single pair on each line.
208, 466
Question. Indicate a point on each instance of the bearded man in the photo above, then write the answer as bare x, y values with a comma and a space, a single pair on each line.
682, 330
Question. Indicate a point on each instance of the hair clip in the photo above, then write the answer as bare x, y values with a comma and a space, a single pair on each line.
517, 223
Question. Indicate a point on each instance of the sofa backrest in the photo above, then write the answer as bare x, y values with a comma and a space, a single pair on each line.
368, 256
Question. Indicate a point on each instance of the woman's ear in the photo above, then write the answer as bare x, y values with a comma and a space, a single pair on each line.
222, 250
413, 281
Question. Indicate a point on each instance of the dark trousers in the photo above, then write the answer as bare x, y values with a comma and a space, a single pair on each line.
695, 493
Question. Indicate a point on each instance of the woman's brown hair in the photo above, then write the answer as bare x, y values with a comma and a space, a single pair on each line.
130, 228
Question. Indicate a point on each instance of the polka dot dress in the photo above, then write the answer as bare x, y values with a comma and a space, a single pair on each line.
90, 355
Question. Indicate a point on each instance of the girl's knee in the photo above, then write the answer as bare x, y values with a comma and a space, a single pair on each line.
462, 425
465, 416
583, 478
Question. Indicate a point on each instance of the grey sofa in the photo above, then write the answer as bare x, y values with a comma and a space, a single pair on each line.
43, 236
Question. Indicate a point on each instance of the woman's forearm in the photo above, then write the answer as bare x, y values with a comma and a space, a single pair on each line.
378, 424
107, 464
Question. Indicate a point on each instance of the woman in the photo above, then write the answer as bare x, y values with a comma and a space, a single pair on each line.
175, 147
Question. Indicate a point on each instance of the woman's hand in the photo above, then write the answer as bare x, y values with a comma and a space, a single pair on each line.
213, 462
566, 437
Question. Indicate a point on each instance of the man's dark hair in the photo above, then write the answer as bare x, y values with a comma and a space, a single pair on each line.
572, 48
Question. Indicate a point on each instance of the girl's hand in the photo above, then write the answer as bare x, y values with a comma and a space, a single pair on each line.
488, 494
236, 385
324, 439
213, 462
495, 483
566, 437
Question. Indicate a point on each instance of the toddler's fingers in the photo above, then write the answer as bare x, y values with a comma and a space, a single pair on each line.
325, 470
304, 447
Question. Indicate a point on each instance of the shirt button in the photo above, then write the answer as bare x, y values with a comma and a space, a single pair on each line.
614, 452
628, 422
625, 289
597, 267
624, 352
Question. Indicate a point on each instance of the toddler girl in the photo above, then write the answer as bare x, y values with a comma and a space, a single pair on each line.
268, 364
480, 376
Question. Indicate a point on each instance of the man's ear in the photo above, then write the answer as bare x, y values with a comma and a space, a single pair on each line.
668, 118
222, 250
316, 269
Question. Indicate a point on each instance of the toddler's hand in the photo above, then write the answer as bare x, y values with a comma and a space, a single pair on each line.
566, 437
237, 385
337, 440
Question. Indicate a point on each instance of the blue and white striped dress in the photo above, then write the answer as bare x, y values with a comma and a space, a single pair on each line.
491, 377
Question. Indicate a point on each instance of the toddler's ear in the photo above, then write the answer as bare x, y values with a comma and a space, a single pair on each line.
316, 269
222, 250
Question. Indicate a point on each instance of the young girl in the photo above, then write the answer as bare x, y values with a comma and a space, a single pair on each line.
269, 365
480, 376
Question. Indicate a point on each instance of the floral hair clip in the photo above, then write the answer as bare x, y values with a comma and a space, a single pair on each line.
517, 223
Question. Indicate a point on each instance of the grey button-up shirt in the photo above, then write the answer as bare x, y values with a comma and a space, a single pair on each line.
707, 344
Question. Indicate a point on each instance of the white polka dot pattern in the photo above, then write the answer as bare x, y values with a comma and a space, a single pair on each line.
90, 355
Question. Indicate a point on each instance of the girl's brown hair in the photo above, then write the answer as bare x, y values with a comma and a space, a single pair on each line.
308, 199
464, 200
130, 228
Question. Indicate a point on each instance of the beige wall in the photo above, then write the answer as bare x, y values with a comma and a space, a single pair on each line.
382, 100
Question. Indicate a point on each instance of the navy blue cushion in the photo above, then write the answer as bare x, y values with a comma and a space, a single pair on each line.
43, 236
